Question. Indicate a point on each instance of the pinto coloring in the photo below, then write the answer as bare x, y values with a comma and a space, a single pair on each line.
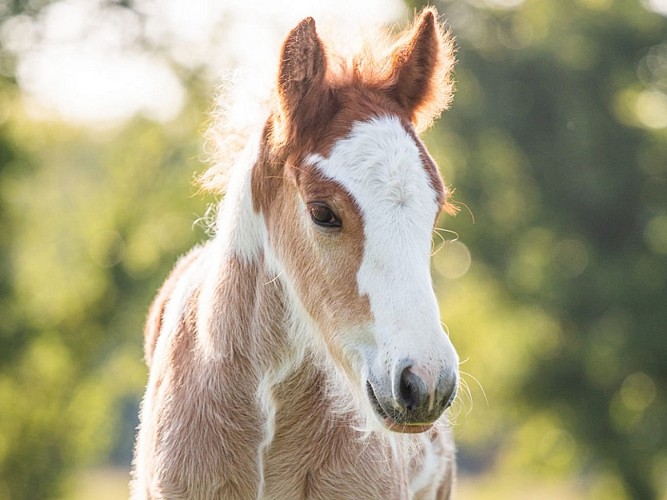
299, 353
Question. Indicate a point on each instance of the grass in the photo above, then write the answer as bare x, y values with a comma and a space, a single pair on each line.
107, 483
104, 483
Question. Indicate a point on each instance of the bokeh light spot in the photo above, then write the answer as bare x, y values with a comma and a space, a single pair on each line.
651, 109
638, 391
659, 6
570, 257
655, 234
453, 260
557, 447
106, 248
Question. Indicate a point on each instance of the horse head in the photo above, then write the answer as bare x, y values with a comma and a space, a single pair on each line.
349, 196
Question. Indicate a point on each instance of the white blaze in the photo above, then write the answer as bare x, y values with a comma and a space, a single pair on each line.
381, 167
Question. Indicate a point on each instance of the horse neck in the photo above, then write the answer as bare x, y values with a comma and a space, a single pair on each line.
246, 313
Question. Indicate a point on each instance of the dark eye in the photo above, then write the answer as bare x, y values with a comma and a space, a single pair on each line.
323, 216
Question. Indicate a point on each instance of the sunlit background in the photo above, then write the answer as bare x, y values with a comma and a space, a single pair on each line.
552, 279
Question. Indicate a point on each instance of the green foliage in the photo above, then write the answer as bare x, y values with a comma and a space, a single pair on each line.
557, 145
91, 225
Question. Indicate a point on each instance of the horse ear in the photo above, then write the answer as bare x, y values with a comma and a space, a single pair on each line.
303, 66
422, 63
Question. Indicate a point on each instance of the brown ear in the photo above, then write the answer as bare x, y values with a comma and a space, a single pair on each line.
421, 75
301, 77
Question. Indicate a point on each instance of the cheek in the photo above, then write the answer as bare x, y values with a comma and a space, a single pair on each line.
338, 268
322, 268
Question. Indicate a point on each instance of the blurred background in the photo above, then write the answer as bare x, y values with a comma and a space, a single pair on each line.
552, 278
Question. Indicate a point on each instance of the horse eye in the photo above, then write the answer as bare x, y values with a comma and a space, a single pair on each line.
323, 216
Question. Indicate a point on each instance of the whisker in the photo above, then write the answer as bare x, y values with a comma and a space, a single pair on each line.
466, 391
449, 231
442, 243
462, 401
458, 406
467, 208
478, 383
445, 328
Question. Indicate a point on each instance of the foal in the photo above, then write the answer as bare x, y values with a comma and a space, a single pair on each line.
299, 353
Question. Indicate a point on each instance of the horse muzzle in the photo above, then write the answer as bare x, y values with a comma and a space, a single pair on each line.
408, 403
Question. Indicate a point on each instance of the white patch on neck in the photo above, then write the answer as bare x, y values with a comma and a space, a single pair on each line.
240, 230
423, 479
268, 406
239, 234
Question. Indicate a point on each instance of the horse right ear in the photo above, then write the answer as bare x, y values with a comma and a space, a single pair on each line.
301, 87
422, 65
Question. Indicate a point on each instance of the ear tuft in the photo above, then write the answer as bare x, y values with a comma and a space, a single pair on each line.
422, 63
427, 19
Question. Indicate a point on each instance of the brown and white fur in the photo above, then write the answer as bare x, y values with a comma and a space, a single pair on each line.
299, 353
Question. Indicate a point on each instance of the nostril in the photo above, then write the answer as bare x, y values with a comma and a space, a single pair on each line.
446, 390
411, 390
449, 397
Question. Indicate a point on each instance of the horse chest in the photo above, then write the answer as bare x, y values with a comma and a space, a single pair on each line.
327, 461
316, 453
342, 466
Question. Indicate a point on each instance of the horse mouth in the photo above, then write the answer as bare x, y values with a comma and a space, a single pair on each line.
391, 419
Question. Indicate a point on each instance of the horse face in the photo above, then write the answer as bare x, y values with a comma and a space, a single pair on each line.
352, 222
368, 210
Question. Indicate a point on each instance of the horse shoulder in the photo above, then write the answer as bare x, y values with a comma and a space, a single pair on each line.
194, 408
155, 319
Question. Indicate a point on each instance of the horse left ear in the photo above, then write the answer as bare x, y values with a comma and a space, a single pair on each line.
421, 70
301, 77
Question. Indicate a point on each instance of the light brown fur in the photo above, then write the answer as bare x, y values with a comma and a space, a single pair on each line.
236, 406
207, 425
